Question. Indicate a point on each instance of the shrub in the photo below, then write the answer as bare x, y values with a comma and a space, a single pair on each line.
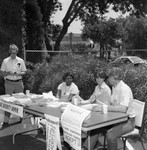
48, 77
2, 89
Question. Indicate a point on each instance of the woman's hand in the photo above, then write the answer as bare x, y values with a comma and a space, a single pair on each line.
97, 107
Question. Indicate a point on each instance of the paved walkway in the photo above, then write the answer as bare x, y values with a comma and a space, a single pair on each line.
37, 141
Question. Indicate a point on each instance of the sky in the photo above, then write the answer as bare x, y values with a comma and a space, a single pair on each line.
75, 26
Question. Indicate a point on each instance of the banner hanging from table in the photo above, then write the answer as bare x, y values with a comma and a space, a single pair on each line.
52, 133
71, 120
12, 108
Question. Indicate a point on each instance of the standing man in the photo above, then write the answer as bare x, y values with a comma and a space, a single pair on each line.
12, 69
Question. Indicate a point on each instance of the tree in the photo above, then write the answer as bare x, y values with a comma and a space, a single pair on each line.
34, 30
10, 23
38, 13
105, 32
38, 26
137, 34
49, 7
80, 9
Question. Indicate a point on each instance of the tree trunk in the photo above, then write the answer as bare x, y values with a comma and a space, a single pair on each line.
60, 37
48, 42
47, 10
101, 51
109, 54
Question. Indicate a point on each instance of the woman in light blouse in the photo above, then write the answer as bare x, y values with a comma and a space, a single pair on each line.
67, 89
102, 92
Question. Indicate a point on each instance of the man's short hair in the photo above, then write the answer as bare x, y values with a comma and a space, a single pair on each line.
116, 73
13, 46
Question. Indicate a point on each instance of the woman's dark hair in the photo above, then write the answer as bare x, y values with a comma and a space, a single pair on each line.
102, 75
116, 73
66, 75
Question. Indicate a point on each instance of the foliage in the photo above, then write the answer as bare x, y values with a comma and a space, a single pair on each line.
137, 34
105, 32
38, 24
10, 23
46, 77
83, 9
34, 25
77, 47
2, 89
38, 15
55, 31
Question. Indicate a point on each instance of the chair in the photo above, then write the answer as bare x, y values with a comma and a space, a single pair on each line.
139, 126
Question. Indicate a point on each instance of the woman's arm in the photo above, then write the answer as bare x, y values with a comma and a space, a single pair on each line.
70, 96
116, 108
58, 95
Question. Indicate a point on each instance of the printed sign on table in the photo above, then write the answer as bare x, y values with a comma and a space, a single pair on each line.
12, 108
52, 133
71, 120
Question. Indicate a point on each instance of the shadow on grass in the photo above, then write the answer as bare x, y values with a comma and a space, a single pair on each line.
23, 142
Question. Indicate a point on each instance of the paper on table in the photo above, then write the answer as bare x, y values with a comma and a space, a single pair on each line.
19, 95
63, 104
49, 95
9, 99
23, 101
53, 104
3, 96
88, 117
36, 96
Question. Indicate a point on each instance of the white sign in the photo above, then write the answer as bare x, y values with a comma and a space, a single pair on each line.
12, 108
71, 120
52, 133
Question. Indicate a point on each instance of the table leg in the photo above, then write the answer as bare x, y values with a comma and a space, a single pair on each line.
88, 140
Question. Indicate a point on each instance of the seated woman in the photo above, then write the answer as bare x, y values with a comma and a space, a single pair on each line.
102, 92
67, 89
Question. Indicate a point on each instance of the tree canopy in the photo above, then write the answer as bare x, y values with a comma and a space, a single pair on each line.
10, 23
38, 14
105, 32
82, 9
137, 34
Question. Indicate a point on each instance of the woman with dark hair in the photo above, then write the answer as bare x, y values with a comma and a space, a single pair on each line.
67, 89
102, 92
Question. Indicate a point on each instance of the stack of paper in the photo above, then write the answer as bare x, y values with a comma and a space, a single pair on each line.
19, 95
4, 96
23, 101
49, 95
9, 99
53, 104
36, 96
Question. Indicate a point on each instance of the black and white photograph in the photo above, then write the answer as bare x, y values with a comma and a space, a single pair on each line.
73, 74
